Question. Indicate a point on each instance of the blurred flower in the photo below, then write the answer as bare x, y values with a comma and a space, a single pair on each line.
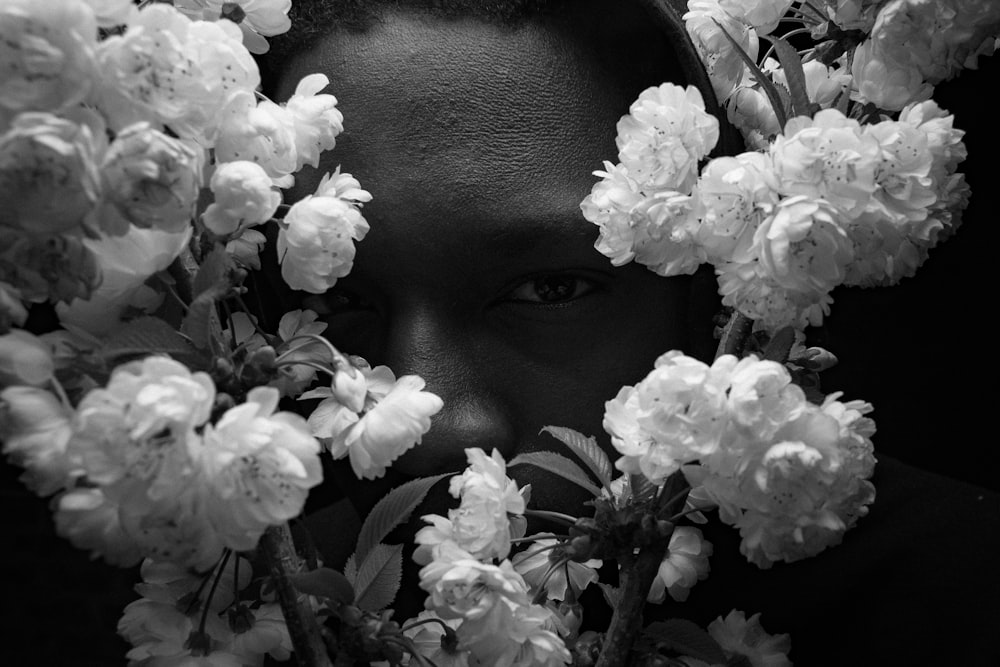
58, 268
35, 429
24, 359
12, 310
738, 635
685, 564
259, 466
124, 264
763, 15
256, 18
244, 197
174, 70
428, 639
48, 173
48, 53
151, 180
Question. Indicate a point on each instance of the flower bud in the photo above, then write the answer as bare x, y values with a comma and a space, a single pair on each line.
350, 391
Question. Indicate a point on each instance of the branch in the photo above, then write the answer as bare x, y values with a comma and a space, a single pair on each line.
278, 550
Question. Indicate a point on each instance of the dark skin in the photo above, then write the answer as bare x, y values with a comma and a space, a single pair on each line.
478, 142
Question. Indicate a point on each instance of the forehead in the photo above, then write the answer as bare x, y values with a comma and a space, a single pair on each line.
474, 115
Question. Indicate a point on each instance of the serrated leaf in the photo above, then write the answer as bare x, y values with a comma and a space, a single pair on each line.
147, 335
379, 576
557, 464
324, 582
791, 63
760, 77
351, 569
587, 449
686, 638
391, 511
642, 488
780, 345
201, 321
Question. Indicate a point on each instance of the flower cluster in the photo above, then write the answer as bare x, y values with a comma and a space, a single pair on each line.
472, 584
108, 145
841, 193
141, 471
792, 476
179, 617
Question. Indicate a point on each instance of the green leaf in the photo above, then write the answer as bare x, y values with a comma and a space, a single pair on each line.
391, 511
145, 336
760, 77
642, 488
324, 582
780, 345
587, 449
791, 63
557, 464
379, 576
201, 324
686, 638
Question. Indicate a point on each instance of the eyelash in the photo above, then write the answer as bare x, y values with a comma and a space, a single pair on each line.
581, 287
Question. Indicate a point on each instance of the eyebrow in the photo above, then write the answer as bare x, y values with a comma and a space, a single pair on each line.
545, 233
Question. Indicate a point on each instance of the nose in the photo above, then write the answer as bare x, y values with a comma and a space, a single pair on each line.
441, 347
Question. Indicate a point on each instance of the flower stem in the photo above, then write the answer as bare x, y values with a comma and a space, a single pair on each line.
555, 516
278, 550
637, 574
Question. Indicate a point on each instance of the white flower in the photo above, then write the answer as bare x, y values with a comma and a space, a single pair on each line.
663, 137
480, 524
24, 359
12, 310
657, 230
827, 156
44, 267
244, 197
316, 242
261, 132
151, 180
733, 197
48, 173
111, 13
259, 466
675, 415
685, 564
256, 18
760, 14
749, 109
133, 435
124, 263
317, 119
708, 23
47, 49
397, 414
534, 562
609, 205
35, 429
177, 71
762, 397
460, 586
888, 84
739, 635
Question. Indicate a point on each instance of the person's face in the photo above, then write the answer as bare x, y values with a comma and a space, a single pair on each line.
478, 142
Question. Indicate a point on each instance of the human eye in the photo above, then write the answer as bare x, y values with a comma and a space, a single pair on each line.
552, 289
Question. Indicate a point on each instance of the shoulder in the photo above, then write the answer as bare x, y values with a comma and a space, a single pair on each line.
913, 583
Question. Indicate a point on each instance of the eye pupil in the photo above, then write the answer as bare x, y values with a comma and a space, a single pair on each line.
555, 288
